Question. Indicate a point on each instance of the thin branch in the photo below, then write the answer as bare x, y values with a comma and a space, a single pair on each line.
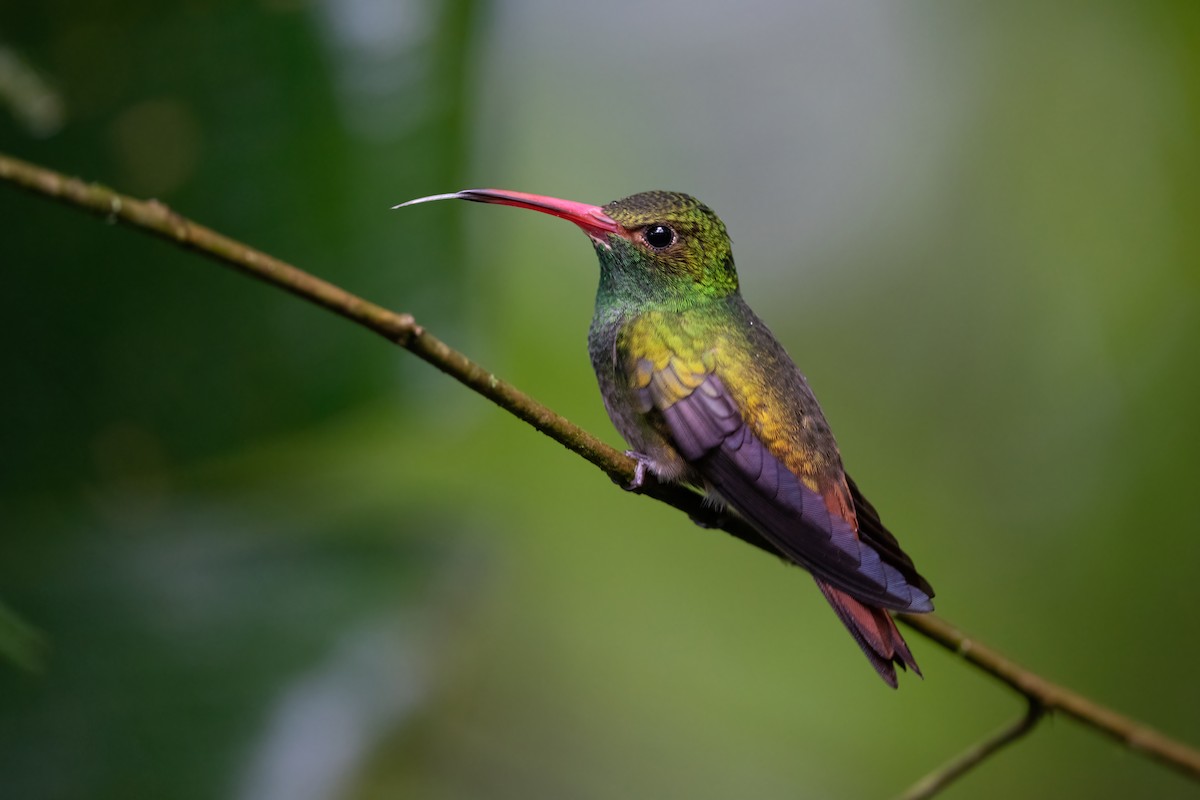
1052, 697
938, 780
155, 218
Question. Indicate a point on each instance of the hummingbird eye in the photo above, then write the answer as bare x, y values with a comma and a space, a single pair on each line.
659, 236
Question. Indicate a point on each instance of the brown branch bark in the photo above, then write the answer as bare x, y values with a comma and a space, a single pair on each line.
157, 219
1051, 697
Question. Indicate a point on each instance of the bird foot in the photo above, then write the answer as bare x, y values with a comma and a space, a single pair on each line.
639, 472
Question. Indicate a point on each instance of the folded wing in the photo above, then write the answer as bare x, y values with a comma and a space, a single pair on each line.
705, 425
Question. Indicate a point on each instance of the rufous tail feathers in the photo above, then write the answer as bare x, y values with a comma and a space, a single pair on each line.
875, 632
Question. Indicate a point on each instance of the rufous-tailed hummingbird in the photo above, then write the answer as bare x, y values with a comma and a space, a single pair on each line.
705, 395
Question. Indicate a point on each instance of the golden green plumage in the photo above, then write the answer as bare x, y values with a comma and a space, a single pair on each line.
671, 352
704, 394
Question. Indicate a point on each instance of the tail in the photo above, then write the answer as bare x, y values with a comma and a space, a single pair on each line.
875, 632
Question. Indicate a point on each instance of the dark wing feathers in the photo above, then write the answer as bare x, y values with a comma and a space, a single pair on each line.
873, 531
698, 420
708, 430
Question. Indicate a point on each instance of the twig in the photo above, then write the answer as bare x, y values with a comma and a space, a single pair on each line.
939, 779
155, 218
1054, 698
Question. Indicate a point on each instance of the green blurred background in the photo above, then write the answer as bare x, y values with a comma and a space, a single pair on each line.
250, 551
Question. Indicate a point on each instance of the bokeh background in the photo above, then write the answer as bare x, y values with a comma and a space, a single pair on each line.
250, 551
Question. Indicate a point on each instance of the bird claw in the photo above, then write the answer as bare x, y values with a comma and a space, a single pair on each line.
639, 471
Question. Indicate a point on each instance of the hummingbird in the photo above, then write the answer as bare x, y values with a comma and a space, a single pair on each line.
705, 395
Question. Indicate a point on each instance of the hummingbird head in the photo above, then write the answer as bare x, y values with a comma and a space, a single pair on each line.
653, 246
670, 242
